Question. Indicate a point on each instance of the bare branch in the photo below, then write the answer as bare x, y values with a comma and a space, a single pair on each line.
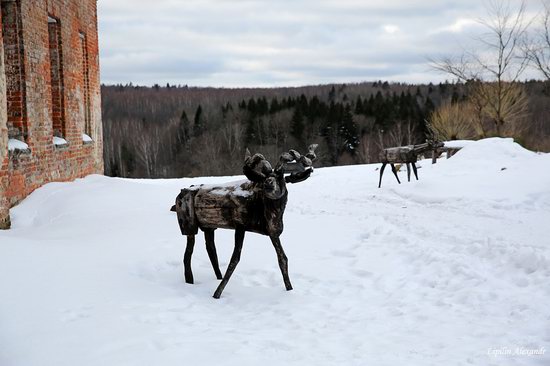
538, 50
491, 72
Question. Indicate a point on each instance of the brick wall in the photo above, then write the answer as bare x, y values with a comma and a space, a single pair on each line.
14, 70
61, 95
4, 217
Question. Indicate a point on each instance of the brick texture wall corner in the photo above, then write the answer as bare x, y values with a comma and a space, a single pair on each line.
4, 204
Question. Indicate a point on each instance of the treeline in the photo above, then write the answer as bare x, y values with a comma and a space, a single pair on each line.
175, 131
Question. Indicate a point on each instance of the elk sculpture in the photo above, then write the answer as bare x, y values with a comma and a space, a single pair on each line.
405, 155
256, 205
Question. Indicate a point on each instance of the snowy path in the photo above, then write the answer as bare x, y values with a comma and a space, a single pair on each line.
436, 272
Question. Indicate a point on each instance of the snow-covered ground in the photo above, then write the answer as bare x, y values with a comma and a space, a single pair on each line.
451, 270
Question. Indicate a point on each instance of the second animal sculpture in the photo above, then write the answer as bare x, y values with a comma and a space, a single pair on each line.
404, 155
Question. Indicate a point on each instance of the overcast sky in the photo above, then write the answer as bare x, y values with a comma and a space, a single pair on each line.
236, 43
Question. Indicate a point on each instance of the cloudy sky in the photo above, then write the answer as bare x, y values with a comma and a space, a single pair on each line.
236, 43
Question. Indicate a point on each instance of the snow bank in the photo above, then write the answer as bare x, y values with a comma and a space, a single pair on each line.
494, 149
487, 170
458, 143
448, 270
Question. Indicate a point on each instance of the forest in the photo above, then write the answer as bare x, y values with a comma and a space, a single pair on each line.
178, 131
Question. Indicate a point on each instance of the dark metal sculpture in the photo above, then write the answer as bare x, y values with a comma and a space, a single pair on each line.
256, 205
405, 155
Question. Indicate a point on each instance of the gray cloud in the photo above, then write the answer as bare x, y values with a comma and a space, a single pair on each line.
279, 42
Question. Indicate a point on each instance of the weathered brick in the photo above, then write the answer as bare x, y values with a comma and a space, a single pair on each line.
49, 85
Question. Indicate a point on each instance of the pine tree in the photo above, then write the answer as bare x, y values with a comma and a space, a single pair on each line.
252, 107
368, 106
314, 109
128, 162
297, 124
262, 106
182, 135
250, 133
429, 106
329, 131
198, 126
332, 94
359, 105
274, 107
348, 130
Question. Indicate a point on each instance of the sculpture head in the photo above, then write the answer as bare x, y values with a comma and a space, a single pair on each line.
434, 144
259, 170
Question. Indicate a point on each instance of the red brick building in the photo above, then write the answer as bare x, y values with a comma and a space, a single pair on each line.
50, 103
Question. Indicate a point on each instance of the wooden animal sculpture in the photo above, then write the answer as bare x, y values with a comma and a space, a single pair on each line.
256, 205
405, 155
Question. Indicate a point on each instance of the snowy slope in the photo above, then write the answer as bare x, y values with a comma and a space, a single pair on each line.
450, 270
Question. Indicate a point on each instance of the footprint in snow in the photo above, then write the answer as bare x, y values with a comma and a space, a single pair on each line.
361, 273
72, 315
344, 254
365, 236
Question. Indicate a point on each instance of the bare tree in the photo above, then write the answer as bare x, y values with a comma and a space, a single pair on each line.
231, 136
493, 72
211, 148
538, 51
477, 107
148, 146
411, 132
396, 134
364, 150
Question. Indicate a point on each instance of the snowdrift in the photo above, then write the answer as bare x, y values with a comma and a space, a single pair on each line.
452, 269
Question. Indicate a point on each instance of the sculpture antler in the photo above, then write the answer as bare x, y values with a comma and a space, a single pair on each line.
299, 166
257, 168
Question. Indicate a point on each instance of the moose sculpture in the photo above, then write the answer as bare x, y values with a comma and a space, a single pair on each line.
405, 155
256, 205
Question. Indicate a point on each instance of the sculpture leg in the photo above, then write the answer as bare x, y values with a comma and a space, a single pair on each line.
409, 172
381, 173
414, 170
283, 261
395, 173
187, 258
235, 258
212, 254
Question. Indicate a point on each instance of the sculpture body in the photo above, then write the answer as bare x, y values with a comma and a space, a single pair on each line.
256, 205
404, 155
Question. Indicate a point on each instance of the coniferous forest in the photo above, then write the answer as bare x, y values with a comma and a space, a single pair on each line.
176, 131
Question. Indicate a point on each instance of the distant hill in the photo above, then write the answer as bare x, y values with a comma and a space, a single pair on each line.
174, 131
